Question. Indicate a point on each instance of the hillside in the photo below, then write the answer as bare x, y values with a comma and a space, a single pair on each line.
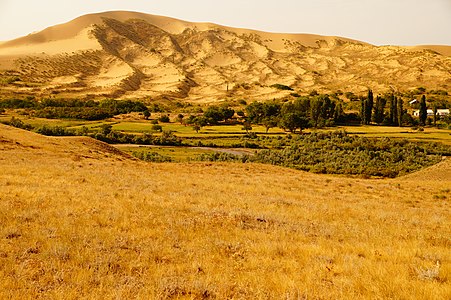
135, 55
81, 220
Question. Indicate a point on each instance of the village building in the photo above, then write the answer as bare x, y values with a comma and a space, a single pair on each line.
430, 112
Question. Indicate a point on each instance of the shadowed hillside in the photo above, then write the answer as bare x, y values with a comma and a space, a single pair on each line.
125, 54
81, 220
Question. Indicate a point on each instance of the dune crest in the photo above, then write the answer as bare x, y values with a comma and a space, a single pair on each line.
135, 55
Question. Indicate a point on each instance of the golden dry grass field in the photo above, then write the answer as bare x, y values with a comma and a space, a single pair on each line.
79, 219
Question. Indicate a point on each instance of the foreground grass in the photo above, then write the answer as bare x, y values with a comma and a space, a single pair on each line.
82, 222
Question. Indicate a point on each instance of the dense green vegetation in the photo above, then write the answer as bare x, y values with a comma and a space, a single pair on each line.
73, 108
339, 153
247, 125
281, 87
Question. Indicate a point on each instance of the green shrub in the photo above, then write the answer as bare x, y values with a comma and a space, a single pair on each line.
281, 87
222, 157
54, 131
340, 153
151, 156
164, 119
18, 124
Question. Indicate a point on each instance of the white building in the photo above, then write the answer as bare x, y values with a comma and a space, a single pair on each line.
440, 112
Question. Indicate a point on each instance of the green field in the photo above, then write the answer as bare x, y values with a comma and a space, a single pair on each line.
178, 154
428, 135
231, 135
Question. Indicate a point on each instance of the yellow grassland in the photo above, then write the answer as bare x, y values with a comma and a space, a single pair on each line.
80, 220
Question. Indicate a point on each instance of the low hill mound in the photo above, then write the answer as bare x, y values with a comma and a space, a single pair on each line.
438, 172
17, 142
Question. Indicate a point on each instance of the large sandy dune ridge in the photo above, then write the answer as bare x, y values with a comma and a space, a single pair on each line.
134, 55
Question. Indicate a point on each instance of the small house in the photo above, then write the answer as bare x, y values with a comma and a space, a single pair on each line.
430, 112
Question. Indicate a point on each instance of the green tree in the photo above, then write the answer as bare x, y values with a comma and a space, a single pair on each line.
293, 121
214, 115
146, 114
423, 110
315, 111
270, 122
391, 117
369, 102
395, 111
379, 109
164, 119
227, 113
400, 112
435, 114
247, 126
255, 112
180, 118
196, 127
338, 113
363, 111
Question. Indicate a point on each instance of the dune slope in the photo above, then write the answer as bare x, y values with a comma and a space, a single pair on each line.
135, 55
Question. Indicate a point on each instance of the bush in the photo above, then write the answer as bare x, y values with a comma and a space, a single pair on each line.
18, 124
222, 157
54, 131
164, 119
157, 128
281, 87
339, 153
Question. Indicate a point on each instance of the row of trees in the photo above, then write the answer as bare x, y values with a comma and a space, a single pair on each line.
375, 111
302, 113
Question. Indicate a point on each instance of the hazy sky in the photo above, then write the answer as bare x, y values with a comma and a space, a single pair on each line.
380, 22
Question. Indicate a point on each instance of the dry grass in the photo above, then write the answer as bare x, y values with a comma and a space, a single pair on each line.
83, 222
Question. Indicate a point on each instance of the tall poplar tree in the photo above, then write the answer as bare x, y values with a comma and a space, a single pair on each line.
362, 110
423, 111
369, 107
379, 110
395, 111
400, 112
435, 114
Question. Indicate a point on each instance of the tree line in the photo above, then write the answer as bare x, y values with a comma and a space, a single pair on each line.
75, 108
302, 113
389, 110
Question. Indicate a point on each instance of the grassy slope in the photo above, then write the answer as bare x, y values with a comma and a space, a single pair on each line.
81, 220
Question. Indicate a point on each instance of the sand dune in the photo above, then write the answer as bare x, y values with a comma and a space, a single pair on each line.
160, 56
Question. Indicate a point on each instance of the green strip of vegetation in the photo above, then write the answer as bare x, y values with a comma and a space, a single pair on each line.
339, 153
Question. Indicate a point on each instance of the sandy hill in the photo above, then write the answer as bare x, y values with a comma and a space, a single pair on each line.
14, 142
135, 55
438, 172
80, 220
